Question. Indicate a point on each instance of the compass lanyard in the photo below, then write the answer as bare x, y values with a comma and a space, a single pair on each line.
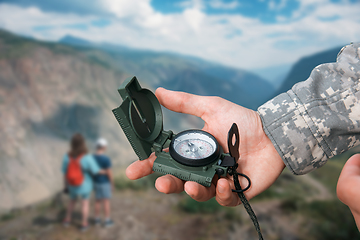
231, 162
243, 199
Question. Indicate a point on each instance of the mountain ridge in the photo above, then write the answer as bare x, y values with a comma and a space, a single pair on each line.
244, 80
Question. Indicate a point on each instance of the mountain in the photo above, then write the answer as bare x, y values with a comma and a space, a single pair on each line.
185, 73
302, 69
71, 40
48, 91
274, 74
79, 42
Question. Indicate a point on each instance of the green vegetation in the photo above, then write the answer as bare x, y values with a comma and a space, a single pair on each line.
287, 186
292, 204
330, 220
189, 205
8, 216
122, 183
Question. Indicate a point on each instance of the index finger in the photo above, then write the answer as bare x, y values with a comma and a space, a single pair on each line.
182, 102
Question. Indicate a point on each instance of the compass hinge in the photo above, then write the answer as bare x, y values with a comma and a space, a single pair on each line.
161, 142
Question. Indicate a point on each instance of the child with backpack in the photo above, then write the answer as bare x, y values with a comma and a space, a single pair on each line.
78, 168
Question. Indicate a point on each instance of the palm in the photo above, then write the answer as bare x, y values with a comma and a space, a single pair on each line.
258, 157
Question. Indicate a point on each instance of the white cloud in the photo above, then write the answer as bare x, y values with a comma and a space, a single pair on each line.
253, 44
126, 8
198, 4
224, 5
25, 20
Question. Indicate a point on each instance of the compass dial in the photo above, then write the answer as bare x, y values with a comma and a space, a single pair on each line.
194, 148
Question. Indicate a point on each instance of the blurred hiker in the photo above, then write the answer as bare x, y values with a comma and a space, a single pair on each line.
103, 184
78, 166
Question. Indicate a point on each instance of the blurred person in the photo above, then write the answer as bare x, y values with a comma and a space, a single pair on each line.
302, 128
78, 166
348, 186
104, 184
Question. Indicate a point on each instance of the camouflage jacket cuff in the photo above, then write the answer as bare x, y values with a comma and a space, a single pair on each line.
317, 118
290, 129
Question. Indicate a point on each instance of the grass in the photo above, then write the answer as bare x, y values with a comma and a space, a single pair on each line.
122, 182
189, 205
8, 216
287, 186
330, 220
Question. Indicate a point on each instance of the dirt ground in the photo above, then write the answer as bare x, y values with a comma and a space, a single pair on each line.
146, 215
150, 215
137, 216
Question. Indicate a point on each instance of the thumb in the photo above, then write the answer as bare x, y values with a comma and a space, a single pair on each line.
348, 186
349, 181
182, 102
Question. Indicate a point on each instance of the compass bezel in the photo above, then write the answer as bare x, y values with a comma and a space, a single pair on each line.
194, 162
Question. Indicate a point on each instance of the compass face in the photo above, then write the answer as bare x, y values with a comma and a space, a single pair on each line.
194, 148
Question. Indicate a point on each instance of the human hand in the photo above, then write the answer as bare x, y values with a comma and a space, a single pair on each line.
348, 186
258, 157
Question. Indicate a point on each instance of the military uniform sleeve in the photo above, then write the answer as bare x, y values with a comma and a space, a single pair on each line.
318, 118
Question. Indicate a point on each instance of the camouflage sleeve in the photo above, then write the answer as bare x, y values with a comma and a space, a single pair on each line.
317, 118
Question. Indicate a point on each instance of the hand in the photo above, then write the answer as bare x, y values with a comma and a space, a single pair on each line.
348, 186
258, 158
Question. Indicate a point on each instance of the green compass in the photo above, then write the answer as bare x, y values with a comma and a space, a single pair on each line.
194, 155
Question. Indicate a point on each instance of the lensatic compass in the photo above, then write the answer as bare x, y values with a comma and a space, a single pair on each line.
194, 155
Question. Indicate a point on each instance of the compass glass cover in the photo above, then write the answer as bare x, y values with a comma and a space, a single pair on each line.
194, 145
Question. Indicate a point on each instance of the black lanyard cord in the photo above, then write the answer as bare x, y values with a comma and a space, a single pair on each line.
243, 199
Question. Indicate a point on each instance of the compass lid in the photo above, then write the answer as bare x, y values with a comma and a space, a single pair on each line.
140, 116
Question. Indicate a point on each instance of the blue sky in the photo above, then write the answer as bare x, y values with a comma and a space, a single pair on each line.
248, 34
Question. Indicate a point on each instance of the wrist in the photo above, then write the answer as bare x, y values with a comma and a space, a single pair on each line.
270, 147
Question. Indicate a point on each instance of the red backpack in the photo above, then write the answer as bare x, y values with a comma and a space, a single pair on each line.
74, 174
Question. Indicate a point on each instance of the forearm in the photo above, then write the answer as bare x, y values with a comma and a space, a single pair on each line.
318, 118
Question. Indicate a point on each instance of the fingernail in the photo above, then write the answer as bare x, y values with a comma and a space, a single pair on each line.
188, 193
221, 189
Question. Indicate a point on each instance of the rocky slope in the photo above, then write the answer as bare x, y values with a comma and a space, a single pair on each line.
48, 92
